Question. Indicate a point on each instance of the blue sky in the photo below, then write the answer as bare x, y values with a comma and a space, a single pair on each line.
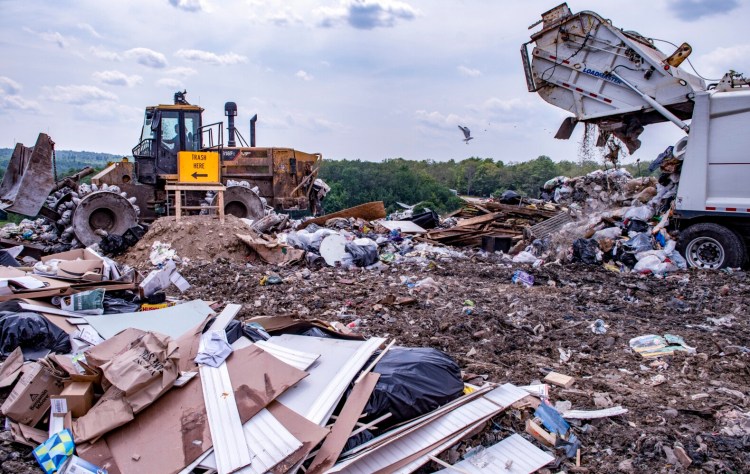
355, 79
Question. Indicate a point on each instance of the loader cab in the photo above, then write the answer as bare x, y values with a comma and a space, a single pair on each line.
167, 130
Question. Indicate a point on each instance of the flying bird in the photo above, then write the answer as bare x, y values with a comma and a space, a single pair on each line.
467, 133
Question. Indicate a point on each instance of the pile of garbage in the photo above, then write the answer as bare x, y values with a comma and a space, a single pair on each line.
620, 221
98, 385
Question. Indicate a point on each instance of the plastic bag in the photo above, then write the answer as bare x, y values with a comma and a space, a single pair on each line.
32, 333
413, 381
637, 225
364, 252
525, 257
587, 251
639, 243
643, 213
85, 302
113, 305
647, 263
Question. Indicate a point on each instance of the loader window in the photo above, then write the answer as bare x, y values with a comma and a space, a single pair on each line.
192, 137
170, 130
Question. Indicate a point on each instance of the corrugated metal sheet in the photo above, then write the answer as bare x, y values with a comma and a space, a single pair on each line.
298, 359
316, 396
269, 442
506, 395
421, 438
513, 455
231, 449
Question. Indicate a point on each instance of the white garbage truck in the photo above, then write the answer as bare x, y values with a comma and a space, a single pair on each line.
620, 81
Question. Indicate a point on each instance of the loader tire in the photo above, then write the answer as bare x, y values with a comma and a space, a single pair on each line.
712, 246
102, 210
241, 202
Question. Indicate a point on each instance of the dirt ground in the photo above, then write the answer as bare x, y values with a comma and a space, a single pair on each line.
517, 334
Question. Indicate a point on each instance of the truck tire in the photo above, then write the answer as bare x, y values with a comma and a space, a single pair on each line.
712, 246
103, 210
241, 202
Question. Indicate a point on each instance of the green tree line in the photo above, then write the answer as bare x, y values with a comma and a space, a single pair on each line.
436, 183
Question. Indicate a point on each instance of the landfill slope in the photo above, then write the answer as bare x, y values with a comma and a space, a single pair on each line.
516, 334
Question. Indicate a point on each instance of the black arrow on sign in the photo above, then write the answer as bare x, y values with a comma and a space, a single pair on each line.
195, 175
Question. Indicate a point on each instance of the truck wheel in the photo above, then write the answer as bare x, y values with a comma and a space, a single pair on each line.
103, 210
241, 202
712, 246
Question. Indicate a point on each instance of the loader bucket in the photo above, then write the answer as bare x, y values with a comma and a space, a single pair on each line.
29, 178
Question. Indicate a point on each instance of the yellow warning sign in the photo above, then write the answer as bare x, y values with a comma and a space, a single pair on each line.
198, 167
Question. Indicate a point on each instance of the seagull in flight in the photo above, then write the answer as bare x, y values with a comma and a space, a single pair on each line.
467, 134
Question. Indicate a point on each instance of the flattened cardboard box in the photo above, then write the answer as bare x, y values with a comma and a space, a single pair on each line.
77, 263
29, 400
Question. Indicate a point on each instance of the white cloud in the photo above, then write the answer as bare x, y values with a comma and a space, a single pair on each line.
16, 102
304, 75
721, 60
78, 94
170, 83
209, 57
49, 36
9, 86
284, 18
181, 71
89, 29
438, 120
366, 14
101, 53
108, 112
117, 78
147, 57
468, 72
191, 5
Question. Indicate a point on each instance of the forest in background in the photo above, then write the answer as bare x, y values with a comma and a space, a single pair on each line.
435, 184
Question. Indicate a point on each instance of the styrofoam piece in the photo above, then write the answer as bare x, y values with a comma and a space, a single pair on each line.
333, 249
513, 455
298, 359
592, 414
316, 396
406, 227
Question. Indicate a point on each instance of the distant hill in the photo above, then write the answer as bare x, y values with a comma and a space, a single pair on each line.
68, 161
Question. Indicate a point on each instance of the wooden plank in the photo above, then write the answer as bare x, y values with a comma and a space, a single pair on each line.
334, 443
370, 211
480, 219
558, 379
540, 434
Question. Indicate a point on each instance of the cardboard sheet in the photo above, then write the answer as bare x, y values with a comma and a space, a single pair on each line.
174, 321
11, 368
173, 432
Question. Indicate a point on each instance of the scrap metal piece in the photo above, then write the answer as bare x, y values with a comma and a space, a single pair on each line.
29, 178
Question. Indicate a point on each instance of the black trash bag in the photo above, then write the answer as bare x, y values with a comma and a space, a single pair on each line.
236, 330
36, 336
127, 304
628, 259
413, 381
113, 244
133, 235
510, 197
360, 438
586, 250
637, 225
426, 219
362, 256
539, 246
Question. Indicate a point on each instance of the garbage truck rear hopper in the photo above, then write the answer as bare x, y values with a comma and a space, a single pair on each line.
621, 82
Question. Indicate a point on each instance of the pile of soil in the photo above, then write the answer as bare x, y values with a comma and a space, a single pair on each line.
200, 239
517, 334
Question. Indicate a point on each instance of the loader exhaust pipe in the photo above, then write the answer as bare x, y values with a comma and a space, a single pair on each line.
230, 110
252, 129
